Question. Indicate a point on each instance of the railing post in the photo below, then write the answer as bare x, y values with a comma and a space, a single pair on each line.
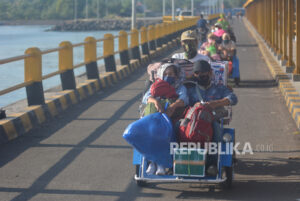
151, 37
123, 47
144, 41
296, 76
108, 53
134, 44
276, 28
66, 65
290, 34
163, 33
284, 37
157, 35
280, 29
90, 58
33, 73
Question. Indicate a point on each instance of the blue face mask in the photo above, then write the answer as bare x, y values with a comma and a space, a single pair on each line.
170, 80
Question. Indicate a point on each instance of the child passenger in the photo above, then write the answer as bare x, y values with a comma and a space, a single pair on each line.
170, 73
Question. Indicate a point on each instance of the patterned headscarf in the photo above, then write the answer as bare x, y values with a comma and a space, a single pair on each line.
161, 70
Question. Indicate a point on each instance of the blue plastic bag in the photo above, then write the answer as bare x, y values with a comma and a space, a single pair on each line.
151, 136
236, 67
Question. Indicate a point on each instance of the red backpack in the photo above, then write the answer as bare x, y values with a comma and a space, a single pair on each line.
163, 89
197, 125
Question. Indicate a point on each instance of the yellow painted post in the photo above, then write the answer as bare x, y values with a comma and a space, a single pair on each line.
123, 41
144, 41
269, 24
33, 74
108, 53
280, 17
66, 65
123, 47
90, 50
33, 65
284, 34
163, 33
90, 58
296, 76
273, 23
290, 33
134, 44
151, 37
157, 35
276, 26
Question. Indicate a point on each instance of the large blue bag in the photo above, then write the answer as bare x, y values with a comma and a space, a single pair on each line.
151, 136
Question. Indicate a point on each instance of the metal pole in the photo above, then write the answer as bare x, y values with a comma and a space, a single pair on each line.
98, 16
106, 8
75, 10
222, 6
164, 8
192, 7
86, 9
173, 10
133, 16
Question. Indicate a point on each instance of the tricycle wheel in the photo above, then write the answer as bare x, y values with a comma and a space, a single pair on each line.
237, 81
228, 173
137, 173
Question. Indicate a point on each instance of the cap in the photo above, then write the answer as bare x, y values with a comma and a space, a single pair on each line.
188, 35
201, 66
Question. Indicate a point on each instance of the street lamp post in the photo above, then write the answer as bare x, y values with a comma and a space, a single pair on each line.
86, 9
173, 10
192, 7
75, 10
98, 16
133, 16
164, 8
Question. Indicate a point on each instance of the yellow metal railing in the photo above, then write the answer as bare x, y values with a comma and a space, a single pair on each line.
279, 25
33, 56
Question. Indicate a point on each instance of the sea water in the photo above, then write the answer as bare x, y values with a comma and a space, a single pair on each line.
14, 40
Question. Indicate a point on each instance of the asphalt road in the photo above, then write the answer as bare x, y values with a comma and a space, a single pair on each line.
81, 155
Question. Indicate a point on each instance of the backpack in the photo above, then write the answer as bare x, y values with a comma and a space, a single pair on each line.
163, 89
197, 125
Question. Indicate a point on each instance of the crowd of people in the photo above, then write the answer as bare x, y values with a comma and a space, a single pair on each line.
200, 51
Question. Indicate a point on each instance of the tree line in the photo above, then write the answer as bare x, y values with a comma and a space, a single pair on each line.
66, 9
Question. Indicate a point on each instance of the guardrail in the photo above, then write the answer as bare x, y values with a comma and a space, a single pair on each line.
278, 24
148, 39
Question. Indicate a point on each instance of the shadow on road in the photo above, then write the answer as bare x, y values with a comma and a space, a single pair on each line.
257, 84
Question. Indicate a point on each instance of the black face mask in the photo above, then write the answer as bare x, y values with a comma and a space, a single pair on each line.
190, 51
204, 80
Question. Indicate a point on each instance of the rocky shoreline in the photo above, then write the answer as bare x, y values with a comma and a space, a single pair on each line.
102, 25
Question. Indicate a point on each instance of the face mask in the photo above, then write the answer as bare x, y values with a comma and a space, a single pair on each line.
190, 51
226, 41
170, 80
204, 80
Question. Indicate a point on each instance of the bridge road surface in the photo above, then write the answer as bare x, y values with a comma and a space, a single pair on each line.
82, 156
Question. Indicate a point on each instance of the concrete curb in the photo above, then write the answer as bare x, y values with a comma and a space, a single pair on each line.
19, 124
289, 92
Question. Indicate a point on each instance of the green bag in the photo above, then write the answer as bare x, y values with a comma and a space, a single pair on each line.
150, 107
